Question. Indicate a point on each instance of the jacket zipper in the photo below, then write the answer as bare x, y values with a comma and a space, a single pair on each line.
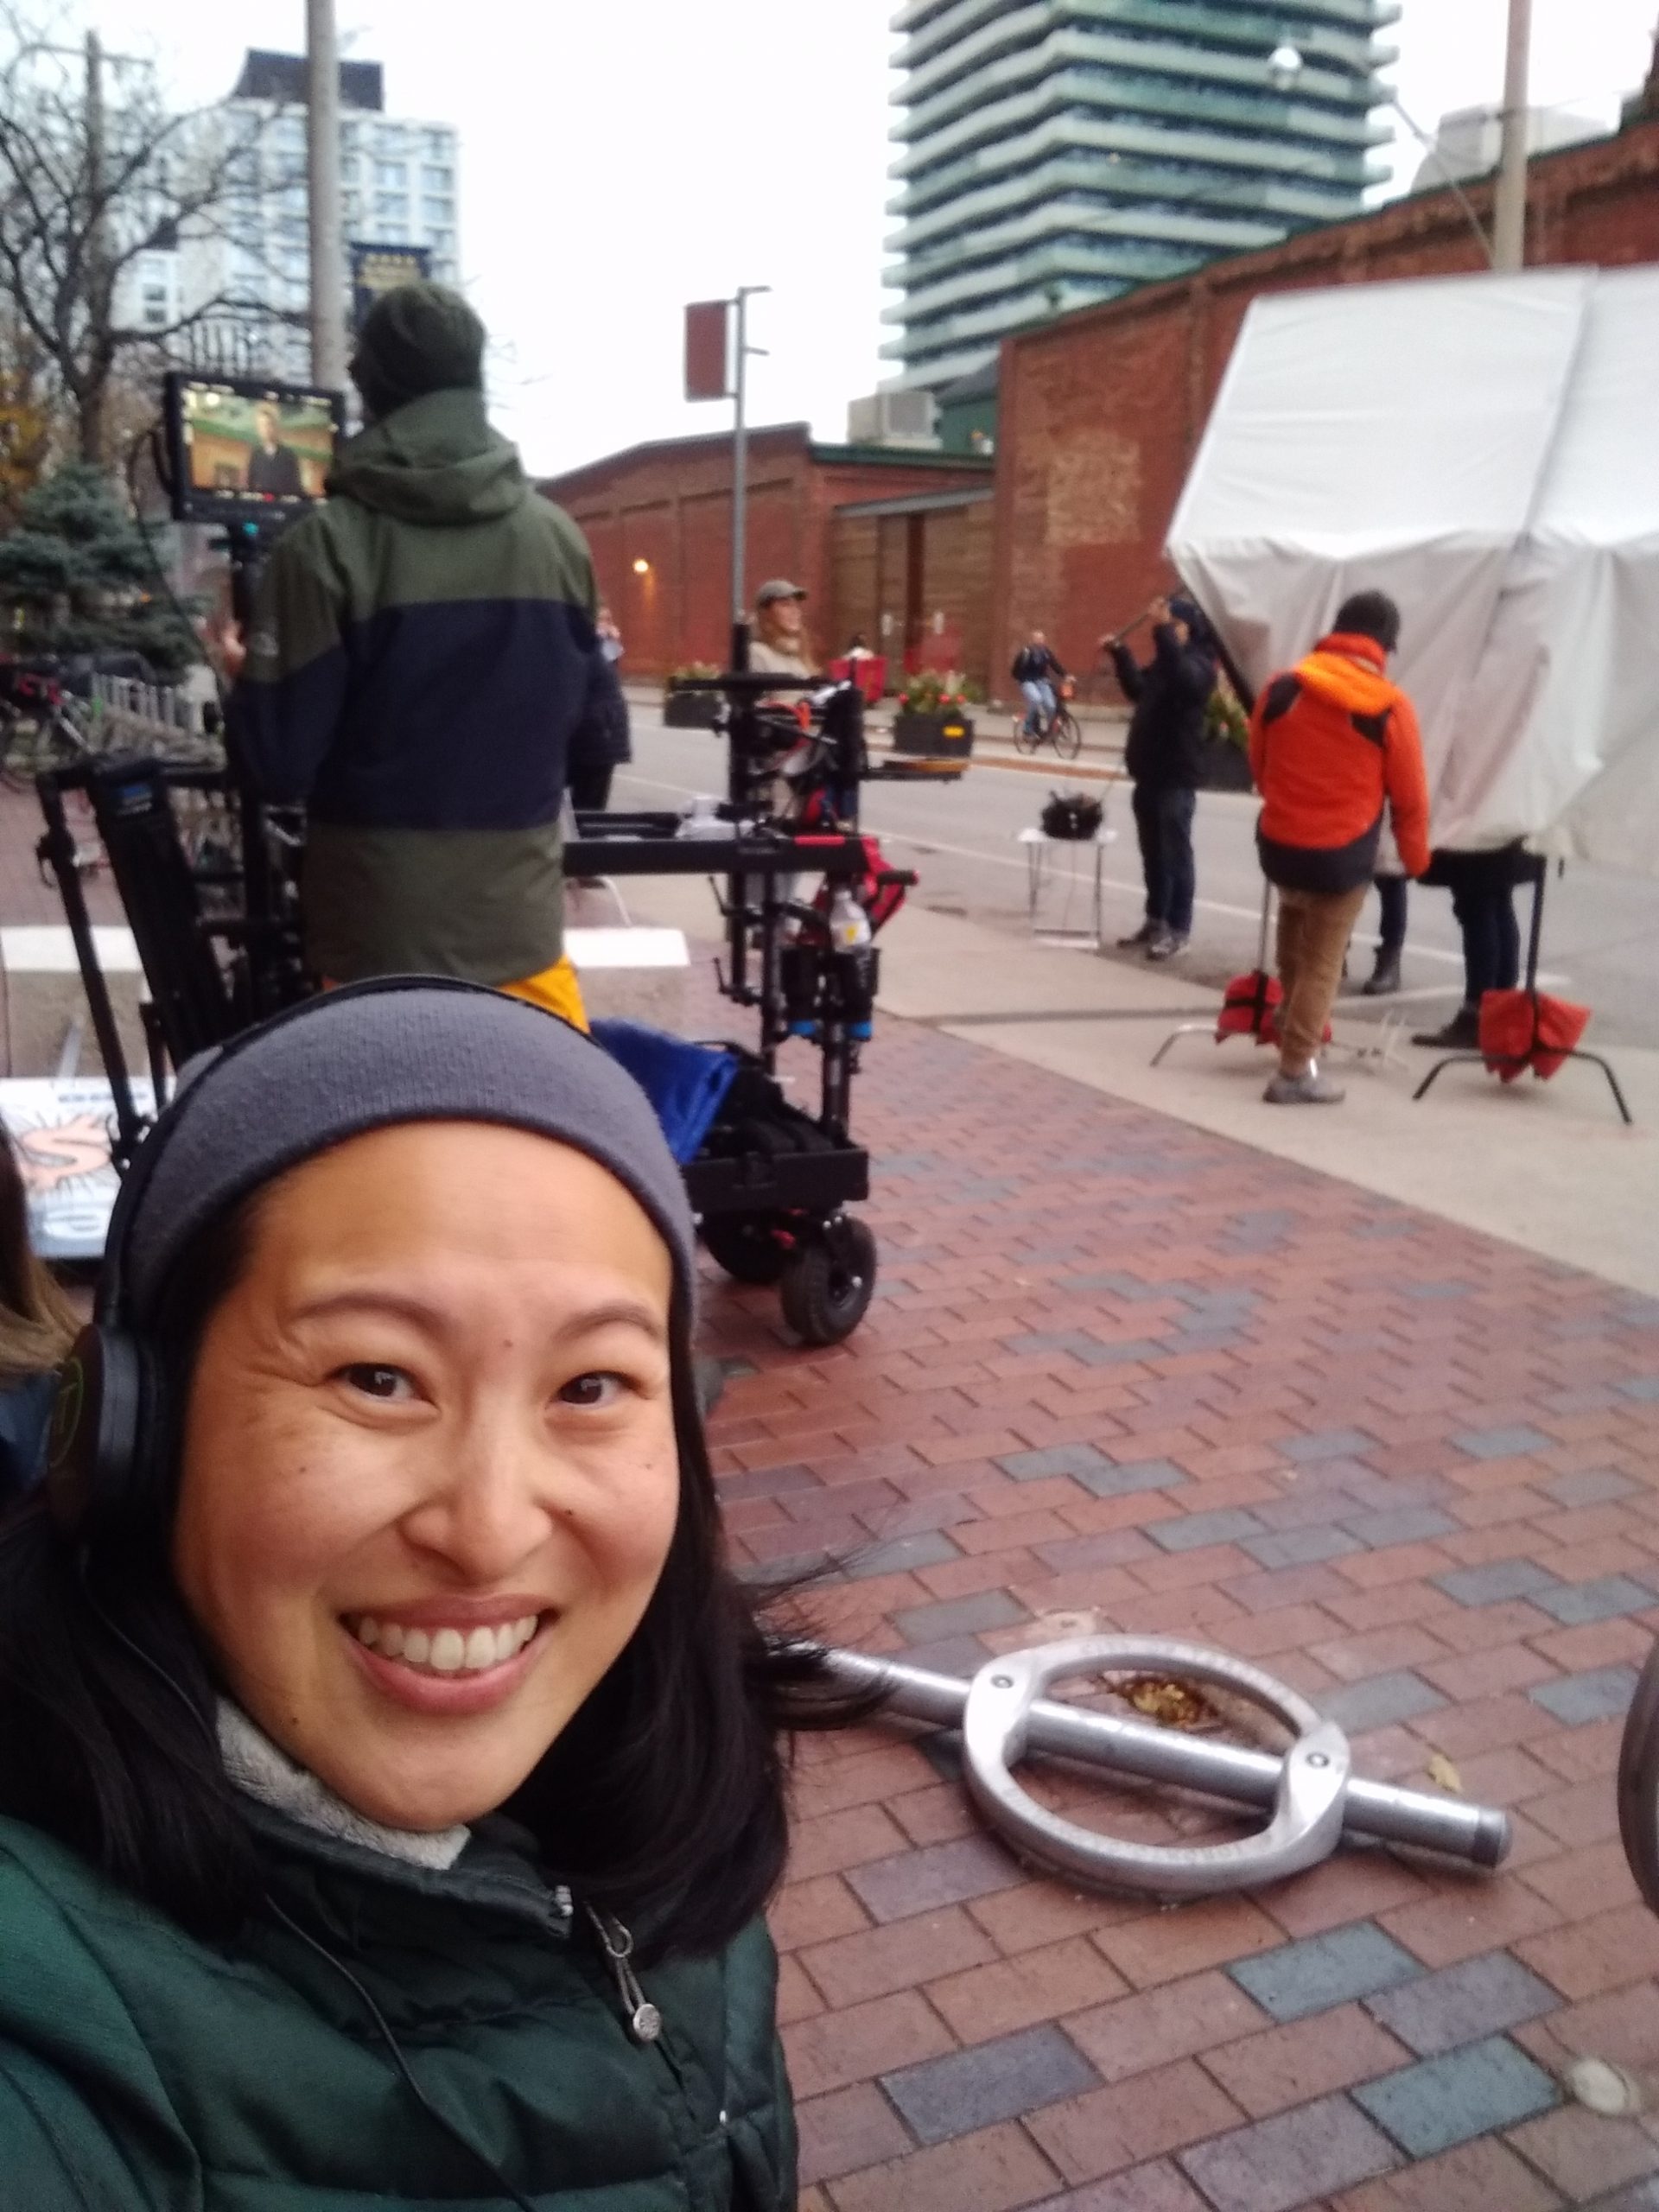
645, 2021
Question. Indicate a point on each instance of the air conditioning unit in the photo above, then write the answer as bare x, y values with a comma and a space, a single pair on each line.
893, 418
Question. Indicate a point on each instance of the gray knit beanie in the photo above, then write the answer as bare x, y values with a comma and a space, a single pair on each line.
402, 1049
416, 338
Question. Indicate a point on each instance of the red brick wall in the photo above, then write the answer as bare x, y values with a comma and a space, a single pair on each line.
1100, 413
671, 505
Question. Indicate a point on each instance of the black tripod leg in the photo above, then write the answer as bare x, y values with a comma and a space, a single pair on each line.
1596, 1061
1451, 1060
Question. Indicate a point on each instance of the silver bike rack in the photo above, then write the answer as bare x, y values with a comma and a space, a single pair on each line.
1312, 1795
1639, 1783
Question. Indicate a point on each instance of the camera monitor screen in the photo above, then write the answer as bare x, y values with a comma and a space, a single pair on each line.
242, 447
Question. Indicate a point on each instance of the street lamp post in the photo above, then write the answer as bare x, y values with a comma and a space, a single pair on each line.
742, 350
322, 173
1509, 220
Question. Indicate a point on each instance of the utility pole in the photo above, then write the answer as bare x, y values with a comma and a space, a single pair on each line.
98, 297
741, 450
322, 167
1509, 221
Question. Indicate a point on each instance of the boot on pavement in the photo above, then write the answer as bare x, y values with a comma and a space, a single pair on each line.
1461, 1035
1311, 1089
1384, 979
1144, 935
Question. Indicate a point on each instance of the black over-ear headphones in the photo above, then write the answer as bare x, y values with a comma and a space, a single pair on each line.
111, 1429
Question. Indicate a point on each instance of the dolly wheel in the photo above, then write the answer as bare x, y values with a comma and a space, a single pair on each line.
828, 1285
749, 1246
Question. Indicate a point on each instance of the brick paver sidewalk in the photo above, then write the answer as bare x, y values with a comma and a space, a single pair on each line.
1123, 1375
1122, 1371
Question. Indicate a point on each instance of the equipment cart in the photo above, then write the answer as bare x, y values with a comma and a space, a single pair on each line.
208, 877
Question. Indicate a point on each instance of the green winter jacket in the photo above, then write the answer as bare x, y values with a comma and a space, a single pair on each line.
141, 2070
418, 662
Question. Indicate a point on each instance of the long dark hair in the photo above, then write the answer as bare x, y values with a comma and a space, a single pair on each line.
37, 1323
662, 1802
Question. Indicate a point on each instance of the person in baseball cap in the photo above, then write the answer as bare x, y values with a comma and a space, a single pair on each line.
780, 646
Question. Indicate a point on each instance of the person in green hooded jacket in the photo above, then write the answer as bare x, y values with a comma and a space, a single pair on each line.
390, 1781
416, 665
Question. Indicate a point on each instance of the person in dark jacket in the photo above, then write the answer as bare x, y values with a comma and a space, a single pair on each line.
601, 742
388, 1772
418, 662
1170, 695
1038, 672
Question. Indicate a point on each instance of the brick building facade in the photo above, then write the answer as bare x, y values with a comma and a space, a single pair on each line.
877, 536
1100, 412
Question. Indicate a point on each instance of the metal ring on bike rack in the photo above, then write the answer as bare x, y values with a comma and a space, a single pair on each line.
1308, 1804
1639, 1783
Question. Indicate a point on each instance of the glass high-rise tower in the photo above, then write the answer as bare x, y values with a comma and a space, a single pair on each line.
1058, 152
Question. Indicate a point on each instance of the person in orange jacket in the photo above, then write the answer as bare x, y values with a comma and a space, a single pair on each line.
1332, 743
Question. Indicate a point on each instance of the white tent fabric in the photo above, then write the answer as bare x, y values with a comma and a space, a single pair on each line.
1486, 450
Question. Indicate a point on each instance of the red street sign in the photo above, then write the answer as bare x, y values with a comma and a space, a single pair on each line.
707, 349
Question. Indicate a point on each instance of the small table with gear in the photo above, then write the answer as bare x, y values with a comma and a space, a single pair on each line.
1070, 870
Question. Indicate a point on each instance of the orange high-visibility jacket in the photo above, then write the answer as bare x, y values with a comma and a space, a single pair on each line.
1331, 742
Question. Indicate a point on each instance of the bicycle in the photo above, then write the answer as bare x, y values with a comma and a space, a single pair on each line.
1059, 729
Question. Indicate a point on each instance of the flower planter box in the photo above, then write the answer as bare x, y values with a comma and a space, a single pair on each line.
1224, 767
946, 734
690, 710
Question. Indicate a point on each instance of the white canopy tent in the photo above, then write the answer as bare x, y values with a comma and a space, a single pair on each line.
1486, 450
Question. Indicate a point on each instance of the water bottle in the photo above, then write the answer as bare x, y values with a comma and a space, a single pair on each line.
849, 926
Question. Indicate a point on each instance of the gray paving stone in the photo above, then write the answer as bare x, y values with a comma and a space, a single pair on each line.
1429, 2107
939, 1874
1644, 1388
1301, 1547
1602, 1694
1502, 1443
1462, 2004
1497, 1582
1049, 1340
1322, 1971
1576, 1603
1380, 1701
1196, 1530
1126, 1481
991, 2082
1430, 1292
1132, 1287
1093, 1353
925, 1548
1328, 1444
1400, 1524
951, 1654
1057, 1459
1591, 1486
960, 1616
1312, 2153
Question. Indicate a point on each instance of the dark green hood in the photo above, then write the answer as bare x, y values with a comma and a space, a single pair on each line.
435, 461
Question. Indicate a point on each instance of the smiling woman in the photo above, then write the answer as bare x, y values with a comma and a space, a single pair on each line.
370, 1675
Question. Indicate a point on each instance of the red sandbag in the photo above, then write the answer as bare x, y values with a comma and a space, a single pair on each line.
1528, 1029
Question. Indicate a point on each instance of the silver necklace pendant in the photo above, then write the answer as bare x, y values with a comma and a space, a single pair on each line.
646, 2024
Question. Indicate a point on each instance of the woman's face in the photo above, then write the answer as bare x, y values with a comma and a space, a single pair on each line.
786, 617
429, 1470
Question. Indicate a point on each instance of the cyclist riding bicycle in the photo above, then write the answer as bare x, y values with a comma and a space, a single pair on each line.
1038, 672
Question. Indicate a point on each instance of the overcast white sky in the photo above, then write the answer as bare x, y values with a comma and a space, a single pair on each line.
621, 157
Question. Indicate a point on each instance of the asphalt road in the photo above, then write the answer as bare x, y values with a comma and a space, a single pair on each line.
1601, 929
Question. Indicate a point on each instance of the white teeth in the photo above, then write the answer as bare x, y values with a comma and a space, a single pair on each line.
447, 1650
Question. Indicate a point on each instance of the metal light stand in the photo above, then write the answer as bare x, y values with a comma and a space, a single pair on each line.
1259, 1011
1315, 1799
1521, 1061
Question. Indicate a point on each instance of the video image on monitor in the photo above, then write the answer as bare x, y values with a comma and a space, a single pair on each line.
239, 447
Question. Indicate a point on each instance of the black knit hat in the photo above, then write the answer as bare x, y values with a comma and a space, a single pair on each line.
369, 1057
414, 340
